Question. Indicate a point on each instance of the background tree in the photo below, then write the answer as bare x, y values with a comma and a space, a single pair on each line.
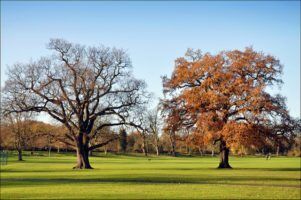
139, 121
123, 140
295, 147
61, 141
77, 86
285, 132
135, 142
45, 135
224, 97
173, 112
143, 135
155, 124
19, 132
196, 141
5, 136
103, 136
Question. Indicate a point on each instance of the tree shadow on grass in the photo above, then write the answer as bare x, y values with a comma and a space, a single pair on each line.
270, 169
142, 179
49, 170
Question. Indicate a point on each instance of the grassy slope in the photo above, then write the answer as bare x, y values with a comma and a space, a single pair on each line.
163, 177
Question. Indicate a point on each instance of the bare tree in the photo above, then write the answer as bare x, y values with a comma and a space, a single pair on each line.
154, 123
104, 136
172, 113
143, 132
49, 133
140, 122
19, 125
76, 86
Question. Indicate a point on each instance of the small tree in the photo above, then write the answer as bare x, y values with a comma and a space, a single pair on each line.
155, 124
123, 140
103, 136
171, 111
46, 133
19, 128
140, 122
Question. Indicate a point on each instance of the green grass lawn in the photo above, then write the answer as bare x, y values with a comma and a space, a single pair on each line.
137, 177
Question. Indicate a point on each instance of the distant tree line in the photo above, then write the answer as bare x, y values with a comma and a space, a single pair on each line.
31, 135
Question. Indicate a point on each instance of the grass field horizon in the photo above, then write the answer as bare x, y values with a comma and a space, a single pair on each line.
138, 177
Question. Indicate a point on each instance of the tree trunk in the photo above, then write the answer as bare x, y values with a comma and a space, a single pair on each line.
277, 150
212, 152
173, 144
82, 153
20, 155
49, 151
144, 145
32, 151
105, 149
82, 159
144, 149
224, 155
157, 150
200, 151
173, 150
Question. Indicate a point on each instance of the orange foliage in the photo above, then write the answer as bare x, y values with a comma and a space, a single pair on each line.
223, 98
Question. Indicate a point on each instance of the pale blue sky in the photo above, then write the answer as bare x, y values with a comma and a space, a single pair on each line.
156, 33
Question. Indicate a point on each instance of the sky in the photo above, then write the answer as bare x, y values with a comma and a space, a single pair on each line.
156, 33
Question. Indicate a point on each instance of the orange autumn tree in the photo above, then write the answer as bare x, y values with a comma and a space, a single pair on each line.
224, 97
